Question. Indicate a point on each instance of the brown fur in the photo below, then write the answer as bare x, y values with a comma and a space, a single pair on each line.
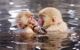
55, 26
26, 24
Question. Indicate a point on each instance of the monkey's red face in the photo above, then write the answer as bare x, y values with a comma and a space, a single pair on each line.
45, 20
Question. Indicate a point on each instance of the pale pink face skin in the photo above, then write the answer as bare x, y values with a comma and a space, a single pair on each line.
33, 21
41, 21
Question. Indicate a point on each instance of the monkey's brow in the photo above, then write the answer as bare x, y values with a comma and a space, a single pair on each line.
41, 15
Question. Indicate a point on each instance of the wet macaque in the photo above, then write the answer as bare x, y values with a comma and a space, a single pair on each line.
51, 19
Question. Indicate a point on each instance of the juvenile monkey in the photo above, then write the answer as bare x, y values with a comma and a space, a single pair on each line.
25, 21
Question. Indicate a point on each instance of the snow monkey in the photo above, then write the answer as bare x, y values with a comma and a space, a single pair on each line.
25, 21
51, 19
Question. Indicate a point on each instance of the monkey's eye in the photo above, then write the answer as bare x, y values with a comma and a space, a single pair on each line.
41, 15
53, 20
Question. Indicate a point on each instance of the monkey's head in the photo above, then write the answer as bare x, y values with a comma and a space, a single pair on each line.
23, 18
50, 16
51, 19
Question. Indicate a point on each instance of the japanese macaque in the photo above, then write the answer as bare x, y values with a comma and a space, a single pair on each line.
51, 19
26, 22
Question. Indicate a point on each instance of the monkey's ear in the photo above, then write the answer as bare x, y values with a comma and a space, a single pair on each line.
57, 20
52, 19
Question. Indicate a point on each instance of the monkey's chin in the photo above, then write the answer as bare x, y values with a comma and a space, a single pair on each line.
62, 27
28, 35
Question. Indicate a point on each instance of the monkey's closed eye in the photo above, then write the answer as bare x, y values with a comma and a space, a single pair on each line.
53, 20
